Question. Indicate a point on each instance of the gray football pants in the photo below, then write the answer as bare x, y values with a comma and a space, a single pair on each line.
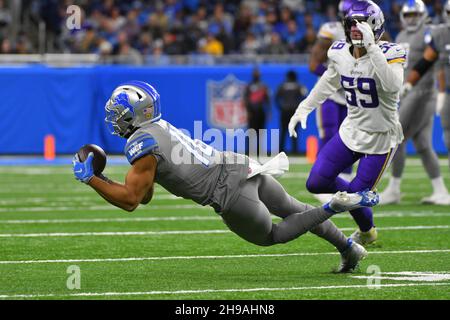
250, 216
445, 122
416, 116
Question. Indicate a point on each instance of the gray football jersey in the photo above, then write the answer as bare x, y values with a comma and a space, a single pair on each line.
439, 39
415, 43
189, 168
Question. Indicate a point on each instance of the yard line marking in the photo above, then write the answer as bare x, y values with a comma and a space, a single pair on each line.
56, 200
96, 220
125, 233
197, 218
406, 176
178, 232
102, 207
268, 255
145, 293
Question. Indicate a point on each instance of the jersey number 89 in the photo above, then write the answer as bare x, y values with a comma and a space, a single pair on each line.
360, 92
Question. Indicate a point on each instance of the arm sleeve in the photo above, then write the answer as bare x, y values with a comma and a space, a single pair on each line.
140, 146
388, 67
432, 39
328, 84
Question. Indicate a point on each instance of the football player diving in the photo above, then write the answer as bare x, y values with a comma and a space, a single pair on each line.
159, 152
371, 73
417, 108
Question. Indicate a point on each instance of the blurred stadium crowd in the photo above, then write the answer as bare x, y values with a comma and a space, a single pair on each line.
137, 29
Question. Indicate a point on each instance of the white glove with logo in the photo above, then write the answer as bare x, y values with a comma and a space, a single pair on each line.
440, 103
300, 115
366, 30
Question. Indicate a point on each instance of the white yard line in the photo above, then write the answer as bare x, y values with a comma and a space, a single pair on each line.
102, 208
180, 292
240, 256
180, 232
71, 200
396, 214
103, 220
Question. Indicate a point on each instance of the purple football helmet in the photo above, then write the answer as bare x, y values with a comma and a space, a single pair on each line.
344, 6
368, 11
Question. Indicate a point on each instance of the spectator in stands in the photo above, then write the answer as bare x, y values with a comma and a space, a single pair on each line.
220, 20
90, 42
172, 45
5, 18
292, 36
212, 46
305, 45
129, 55
242, 26
289, 94
257, 104
226, 40
251, 45
276, 46
6, 47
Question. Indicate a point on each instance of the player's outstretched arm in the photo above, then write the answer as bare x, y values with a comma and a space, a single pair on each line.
138, 187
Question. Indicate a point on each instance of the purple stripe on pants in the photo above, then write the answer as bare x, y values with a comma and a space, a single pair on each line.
332, 160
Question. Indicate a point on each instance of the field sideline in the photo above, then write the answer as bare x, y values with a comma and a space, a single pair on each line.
175, 249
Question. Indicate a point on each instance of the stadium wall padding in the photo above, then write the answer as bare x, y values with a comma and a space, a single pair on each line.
69, 102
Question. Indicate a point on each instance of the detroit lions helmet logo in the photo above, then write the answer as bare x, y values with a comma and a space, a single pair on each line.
122, 99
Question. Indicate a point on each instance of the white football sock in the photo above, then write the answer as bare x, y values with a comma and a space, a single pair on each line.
394, 184
439, 185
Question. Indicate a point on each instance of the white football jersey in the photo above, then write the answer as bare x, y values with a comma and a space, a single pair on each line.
334, 31
372, 125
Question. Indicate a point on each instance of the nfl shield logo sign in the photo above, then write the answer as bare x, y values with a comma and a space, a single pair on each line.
225, 103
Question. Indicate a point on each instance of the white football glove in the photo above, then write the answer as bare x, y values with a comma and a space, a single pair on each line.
366, 30
440, 103
406, 88
301, 115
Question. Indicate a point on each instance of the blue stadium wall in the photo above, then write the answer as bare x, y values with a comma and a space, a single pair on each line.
69, 102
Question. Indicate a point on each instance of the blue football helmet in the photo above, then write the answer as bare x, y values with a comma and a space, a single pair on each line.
368, 11
132, 105
446, 12
413, 15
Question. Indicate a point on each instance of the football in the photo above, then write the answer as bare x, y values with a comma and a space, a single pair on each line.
99, 161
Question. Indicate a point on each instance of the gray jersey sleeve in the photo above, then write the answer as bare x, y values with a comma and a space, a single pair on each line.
140, 145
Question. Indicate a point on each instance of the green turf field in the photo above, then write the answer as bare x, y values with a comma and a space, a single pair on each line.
174, 249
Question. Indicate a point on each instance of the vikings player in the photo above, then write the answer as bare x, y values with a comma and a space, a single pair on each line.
371, 73
159, 152
437, 50
417, 109
333, 111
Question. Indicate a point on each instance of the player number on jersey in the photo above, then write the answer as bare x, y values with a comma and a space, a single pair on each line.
200, 150
360, 92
